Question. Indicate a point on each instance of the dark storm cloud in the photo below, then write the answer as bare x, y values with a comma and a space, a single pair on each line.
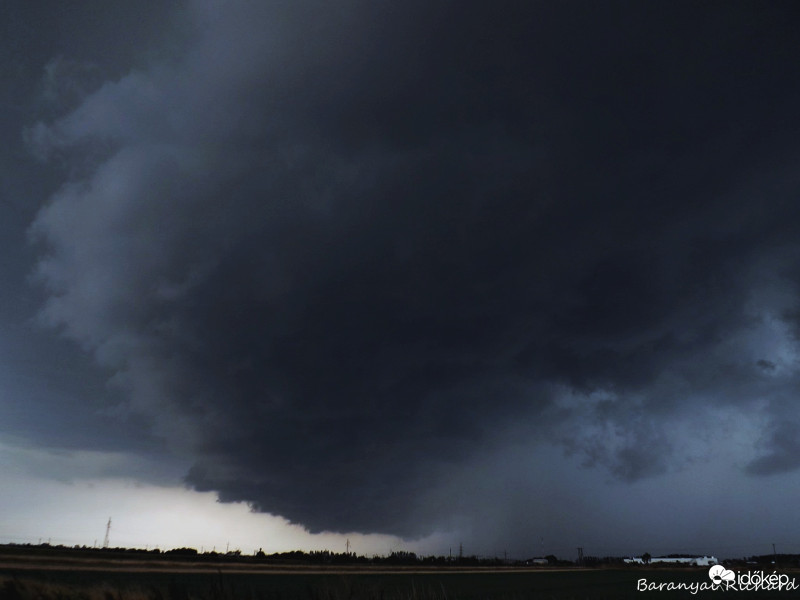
782, 452
53, 396
336, 253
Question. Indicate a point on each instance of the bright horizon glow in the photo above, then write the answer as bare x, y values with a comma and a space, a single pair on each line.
150, 516
66, 498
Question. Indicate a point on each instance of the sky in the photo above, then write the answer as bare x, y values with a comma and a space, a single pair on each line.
520, 277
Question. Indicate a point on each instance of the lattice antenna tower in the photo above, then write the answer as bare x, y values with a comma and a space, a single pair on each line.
108, 531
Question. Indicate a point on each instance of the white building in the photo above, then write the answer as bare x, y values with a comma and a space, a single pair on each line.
697, 561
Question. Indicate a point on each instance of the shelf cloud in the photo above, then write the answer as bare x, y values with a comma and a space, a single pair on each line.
338, 254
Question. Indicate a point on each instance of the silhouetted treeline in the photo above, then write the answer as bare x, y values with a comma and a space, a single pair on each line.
326, 557
764, 560
399, 557
298, 557
595, 561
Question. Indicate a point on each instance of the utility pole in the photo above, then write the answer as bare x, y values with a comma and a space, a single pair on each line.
347, 547
108, 531
580, 555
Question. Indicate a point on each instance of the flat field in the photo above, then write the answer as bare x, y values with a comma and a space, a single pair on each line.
36, 577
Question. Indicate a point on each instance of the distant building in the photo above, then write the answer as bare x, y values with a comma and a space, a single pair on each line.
698, 561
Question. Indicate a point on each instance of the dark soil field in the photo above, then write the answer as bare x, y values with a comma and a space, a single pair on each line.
66, 577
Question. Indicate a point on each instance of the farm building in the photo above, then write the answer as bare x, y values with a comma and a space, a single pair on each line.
699, 561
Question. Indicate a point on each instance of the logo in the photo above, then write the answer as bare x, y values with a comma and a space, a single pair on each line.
720, 574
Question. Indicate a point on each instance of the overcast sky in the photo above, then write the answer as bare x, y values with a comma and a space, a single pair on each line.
519, 275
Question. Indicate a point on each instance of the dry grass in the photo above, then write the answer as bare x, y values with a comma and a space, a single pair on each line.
137, 578
23, 589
